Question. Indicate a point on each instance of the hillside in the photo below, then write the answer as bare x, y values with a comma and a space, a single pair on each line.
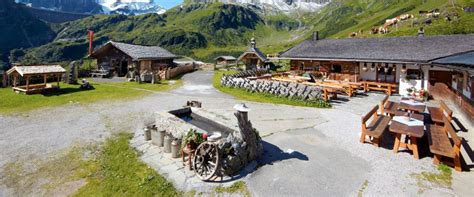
342, 17
205, 31
200, 31
19, 29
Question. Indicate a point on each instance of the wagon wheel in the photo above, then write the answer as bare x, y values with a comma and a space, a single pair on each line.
206, 161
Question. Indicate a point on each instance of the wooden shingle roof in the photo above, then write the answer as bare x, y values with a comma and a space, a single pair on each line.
402, 49
37, 70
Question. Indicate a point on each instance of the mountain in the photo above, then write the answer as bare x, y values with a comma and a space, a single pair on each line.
20, 29
274, 6
75, 6
207, 30
131, 7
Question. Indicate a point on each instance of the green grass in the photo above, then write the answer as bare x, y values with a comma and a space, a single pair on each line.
117, 171
238, 187
443, 178
263, 97
11, 102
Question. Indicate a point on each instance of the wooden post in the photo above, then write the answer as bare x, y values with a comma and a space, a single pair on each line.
14, 79
58, 78
27, 83
44, 79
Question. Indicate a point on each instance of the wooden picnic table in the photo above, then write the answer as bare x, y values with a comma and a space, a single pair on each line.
411, 132
388, 88
415, 116
415, 108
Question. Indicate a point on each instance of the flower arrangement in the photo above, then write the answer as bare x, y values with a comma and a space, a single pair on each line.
192, 137
421, 94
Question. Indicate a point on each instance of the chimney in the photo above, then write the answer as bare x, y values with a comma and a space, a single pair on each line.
315, 35
253, 44
421, 32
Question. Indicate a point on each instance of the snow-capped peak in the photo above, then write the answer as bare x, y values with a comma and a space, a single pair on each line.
135, 7
287, 6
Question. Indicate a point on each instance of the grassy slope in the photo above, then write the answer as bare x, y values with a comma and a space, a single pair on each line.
14, 103
262, 97
363, 15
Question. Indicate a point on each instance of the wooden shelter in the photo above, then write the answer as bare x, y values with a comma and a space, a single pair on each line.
225, 60
28, 72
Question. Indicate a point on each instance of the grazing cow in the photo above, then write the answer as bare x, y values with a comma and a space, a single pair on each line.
374, 30
406, 16
383, 30
428, 21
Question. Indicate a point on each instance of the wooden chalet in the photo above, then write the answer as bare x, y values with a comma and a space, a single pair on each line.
225, 60
128, 60
404, 61
29, 73
253, 58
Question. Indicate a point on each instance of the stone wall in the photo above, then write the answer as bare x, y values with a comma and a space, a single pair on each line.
277, 88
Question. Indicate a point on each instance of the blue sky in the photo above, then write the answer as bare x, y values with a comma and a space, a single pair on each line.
168, 3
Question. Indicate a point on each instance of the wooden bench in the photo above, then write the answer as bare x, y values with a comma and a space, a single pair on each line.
441, 146
438, 114
388, 88
388, 107
329, 91
376, 127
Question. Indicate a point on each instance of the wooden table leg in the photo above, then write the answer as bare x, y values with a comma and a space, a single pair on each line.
414, 146
396, 145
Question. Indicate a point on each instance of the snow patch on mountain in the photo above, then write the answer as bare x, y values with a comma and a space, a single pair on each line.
131, 7
287, 6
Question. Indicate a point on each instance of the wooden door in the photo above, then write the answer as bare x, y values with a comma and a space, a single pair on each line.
436, 76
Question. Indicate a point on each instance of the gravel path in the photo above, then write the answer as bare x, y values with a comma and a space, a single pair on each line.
308, 151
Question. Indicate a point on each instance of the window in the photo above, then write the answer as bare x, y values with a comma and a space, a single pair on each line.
336, 68
413, 74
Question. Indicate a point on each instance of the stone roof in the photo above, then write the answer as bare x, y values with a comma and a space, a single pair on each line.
420, 49
229, 58
464, 61
37, 70
139, 52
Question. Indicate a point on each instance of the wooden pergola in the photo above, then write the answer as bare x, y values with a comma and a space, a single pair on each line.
27, 72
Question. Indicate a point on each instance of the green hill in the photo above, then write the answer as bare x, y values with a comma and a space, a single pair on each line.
19, 29
205, 31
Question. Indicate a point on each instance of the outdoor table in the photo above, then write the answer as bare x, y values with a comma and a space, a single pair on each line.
411, 105
420, 117
413, 129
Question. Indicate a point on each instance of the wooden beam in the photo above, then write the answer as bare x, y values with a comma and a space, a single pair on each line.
27, 83
58, 78
44, 78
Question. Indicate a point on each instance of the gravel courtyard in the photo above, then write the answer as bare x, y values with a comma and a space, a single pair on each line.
308, 152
